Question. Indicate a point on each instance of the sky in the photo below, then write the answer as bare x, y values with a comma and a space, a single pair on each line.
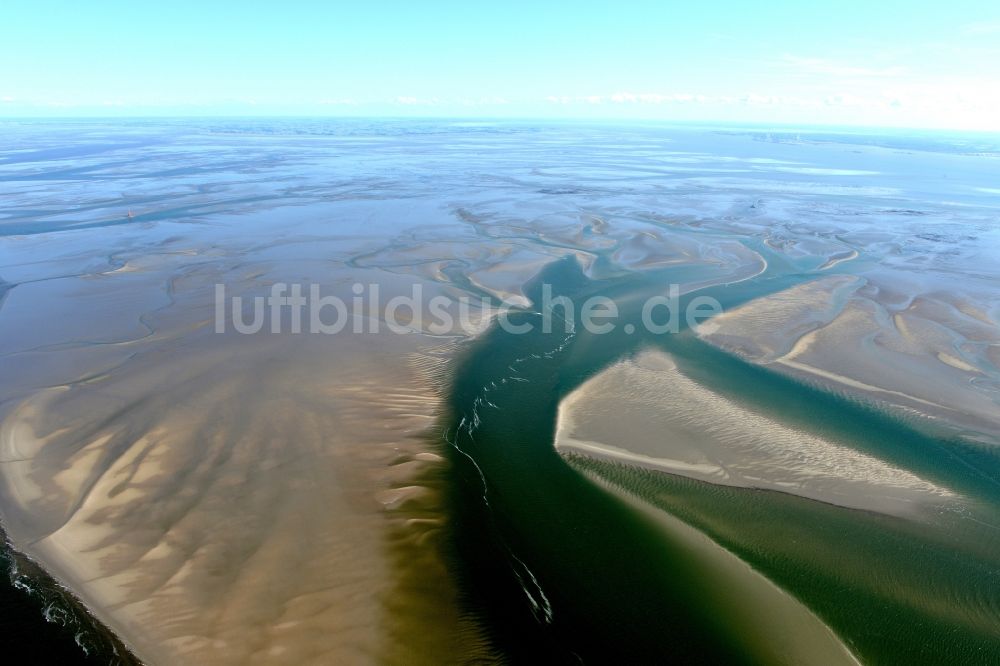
914, 64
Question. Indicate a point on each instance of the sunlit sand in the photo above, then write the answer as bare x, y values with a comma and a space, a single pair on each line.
645, 412
283, 498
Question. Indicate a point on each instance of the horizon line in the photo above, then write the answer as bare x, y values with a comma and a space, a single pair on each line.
601, 120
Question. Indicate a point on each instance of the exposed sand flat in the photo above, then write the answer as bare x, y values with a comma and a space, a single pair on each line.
767, 328
927, 352
271, 499
232, 514
900, 359
265, 498
645, 411
839, 258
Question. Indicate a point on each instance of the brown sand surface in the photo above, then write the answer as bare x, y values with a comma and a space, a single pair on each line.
226, 498
265, 498
275, 498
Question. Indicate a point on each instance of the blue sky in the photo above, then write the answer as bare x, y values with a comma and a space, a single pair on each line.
914, 64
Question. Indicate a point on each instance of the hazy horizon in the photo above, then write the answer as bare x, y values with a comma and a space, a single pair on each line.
718, 125
844, 65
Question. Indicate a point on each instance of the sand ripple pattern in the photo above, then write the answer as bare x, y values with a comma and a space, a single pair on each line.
646, 412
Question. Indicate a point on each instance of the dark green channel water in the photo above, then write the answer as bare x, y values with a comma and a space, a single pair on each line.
562, 570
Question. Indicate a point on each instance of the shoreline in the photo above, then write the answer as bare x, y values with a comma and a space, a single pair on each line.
95, 641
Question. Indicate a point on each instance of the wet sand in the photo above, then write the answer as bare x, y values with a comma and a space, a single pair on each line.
233, 507
227, 498
884, 338
278, 498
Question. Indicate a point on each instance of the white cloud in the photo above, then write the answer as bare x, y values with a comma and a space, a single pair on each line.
760, 100
416, 101
846, 99
825, 67
656, 98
